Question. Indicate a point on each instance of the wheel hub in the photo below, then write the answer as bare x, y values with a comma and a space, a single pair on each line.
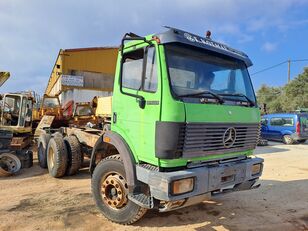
114, 191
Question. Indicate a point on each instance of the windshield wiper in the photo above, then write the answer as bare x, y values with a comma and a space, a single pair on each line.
240, 95
220, 100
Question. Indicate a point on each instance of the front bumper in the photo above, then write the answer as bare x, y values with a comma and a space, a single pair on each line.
209, 180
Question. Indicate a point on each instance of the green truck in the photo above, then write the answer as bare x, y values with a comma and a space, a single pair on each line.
184, 124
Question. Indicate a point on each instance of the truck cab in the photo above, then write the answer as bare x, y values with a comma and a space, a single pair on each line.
51, 106
183, 94
83, 114
16, 114
15, 129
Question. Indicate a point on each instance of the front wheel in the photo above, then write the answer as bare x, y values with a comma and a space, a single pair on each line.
110, 191
287, 139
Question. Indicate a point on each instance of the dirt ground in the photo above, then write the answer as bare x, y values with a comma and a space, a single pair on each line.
33, 200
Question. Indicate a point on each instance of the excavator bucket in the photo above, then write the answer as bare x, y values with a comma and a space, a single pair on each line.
4, 77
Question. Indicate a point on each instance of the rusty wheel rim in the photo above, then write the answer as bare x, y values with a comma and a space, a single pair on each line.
114, 191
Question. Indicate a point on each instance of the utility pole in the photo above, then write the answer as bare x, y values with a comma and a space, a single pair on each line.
289, 67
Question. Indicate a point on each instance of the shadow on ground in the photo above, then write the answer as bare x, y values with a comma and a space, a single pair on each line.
271, 148
266, 208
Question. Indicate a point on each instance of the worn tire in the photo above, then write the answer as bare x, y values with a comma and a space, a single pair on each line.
10, 164
56, 157
42, 150
287, 139
58, 134
130, 212
74, 155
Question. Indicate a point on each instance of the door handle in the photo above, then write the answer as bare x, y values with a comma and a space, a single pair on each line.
114, 117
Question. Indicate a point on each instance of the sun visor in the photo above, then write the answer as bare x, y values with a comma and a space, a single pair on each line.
176, 35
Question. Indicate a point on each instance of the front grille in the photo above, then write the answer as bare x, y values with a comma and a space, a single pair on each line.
203, 139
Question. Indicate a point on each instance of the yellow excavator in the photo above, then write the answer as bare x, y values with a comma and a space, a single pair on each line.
4, 75
15, 129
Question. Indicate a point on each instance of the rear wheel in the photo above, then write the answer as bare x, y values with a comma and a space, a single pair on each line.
287, 139
110, 191
42, 150
301, 141
56, 157
58, 134
74, 155
9, 164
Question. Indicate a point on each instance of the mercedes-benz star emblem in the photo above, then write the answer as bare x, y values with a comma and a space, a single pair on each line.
229, 137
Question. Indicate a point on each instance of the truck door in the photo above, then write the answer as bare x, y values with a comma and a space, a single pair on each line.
134, 117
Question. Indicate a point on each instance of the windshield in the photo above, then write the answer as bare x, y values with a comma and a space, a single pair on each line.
83, 110
11, 109
51, 102
194, 71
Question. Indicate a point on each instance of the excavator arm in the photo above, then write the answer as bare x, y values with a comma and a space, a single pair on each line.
4, 75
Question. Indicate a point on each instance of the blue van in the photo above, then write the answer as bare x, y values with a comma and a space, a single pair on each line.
286, 127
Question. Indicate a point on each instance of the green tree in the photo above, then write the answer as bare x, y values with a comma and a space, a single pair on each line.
297, 92
291, 97
271, 97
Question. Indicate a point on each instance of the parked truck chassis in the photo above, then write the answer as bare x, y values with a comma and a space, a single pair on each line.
145, 185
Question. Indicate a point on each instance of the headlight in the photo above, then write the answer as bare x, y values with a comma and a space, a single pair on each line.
182, 186
256, 169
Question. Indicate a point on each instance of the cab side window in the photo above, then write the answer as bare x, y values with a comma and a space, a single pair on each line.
150, 78
132, 69
139, 70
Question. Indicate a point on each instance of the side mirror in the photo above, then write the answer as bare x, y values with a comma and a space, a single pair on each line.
141, 102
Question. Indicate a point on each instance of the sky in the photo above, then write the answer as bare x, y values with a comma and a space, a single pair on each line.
33, 31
